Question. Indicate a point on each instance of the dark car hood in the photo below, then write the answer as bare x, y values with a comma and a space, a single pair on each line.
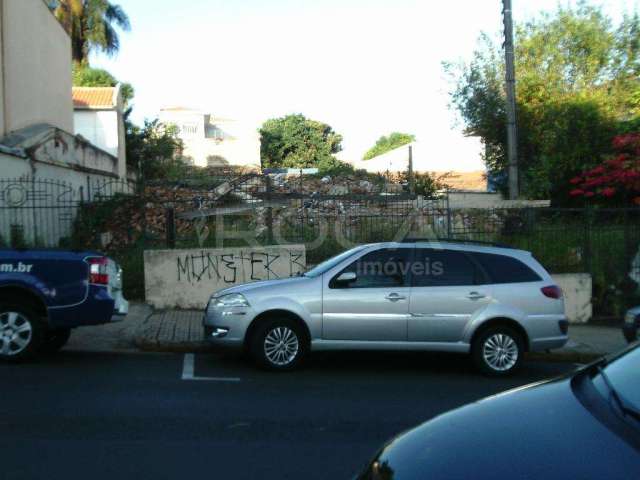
541, 431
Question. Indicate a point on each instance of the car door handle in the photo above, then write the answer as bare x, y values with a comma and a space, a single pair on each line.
394, 297
475, 296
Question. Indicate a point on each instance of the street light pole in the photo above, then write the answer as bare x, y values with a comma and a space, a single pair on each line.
512, 135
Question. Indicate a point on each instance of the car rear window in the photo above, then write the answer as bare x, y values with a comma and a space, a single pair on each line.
503, 269
443, 268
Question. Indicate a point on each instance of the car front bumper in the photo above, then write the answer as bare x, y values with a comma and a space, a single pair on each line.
226, 326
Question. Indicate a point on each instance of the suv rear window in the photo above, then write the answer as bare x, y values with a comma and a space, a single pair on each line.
503, 269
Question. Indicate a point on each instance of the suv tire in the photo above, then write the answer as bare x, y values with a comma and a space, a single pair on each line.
21, 333
498, 351
54, 340
278, 344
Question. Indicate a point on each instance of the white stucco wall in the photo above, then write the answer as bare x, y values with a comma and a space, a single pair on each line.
465, 156
36, 67
577, 289
187, 278
64, 187
100, 128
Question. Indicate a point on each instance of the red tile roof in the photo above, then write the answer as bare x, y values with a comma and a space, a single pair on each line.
94, 97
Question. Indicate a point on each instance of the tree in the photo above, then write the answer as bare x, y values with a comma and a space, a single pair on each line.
155, 150
84, 76
294, 141
617, 179
91, 25
577, 83
386, 144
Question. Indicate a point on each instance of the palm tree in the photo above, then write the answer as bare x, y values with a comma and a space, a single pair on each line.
91, 25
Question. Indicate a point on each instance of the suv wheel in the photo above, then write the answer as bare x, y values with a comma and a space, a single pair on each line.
20, 333
498, 351
279, 345
54, 340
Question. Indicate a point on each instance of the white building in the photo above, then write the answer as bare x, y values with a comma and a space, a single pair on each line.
45, 169
465, 168
99, 118
214, 141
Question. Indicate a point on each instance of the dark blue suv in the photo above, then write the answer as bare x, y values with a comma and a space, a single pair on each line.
46, 293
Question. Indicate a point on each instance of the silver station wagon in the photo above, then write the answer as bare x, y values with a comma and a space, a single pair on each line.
490, 302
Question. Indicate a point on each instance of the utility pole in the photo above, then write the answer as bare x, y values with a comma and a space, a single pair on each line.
512, 134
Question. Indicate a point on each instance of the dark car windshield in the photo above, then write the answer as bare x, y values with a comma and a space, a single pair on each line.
624, 375
332, 262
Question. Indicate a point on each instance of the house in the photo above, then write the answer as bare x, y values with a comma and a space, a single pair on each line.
214, 141
37, 131
465, 171
99, 118
45, 169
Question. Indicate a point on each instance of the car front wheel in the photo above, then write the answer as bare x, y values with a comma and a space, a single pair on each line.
279, 345
498, 351
20, 333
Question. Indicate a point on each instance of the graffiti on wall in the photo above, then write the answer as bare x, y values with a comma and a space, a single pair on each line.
244, 266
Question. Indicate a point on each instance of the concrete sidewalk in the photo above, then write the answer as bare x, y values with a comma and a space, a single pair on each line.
181, 331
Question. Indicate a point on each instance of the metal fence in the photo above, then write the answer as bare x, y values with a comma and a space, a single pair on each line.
327, 215
41, 212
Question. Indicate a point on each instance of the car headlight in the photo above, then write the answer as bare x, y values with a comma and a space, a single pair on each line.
230, 300
630, 317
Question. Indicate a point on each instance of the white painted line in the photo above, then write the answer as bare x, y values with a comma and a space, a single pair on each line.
188, 369
188, 366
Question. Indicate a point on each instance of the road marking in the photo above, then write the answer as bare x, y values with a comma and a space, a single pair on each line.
188, 372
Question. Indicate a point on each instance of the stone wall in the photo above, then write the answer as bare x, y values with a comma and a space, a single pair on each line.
187, 278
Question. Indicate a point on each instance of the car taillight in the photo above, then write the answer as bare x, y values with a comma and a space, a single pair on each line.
98, 271
552, 291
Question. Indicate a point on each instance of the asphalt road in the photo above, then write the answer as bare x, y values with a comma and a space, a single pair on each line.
80, 415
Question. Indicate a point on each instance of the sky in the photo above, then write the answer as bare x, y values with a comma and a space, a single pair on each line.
365, 67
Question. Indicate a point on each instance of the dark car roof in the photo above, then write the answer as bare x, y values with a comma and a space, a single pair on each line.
542, 431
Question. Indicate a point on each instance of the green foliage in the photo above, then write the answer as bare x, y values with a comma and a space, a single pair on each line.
84, 76
428, 185
155, 150
386, 144
294, 141
91, 25
577, 86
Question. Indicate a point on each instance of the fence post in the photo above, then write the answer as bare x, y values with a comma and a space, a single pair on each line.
269, 213
449, 230
170, 226
587, 239
412, 180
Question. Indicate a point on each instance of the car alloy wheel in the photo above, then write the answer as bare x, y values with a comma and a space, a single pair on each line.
16, 333
500, 352
281, 346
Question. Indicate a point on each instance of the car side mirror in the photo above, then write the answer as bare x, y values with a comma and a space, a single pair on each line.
347, 277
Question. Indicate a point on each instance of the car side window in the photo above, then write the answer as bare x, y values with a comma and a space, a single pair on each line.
380, 269
443, 268
504, 269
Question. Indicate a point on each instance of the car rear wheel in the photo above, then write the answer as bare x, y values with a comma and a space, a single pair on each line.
279, 345
20, 333
498, 351
54, 340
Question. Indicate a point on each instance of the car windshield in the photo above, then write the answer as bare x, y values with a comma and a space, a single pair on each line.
332, 262
624, 376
